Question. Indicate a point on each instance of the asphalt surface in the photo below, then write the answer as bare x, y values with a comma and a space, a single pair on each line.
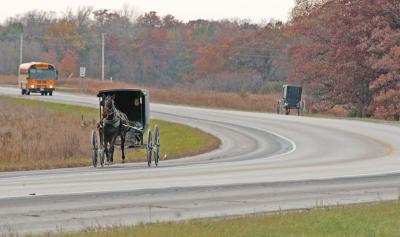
266, 163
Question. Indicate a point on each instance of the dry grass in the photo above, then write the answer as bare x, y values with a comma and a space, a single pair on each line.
8, 80
180, 95
236, 101
35, 138
184, 96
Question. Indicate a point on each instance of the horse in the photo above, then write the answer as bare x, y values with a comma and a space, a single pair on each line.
115, 123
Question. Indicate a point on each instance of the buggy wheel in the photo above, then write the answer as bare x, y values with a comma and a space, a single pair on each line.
156, 145
302, 107
149, 148
94, 148
101, 154
278, 107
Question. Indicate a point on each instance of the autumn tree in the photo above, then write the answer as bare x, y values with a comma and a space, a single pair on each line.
304, 8
212, 58
105, 16
149, 19
333, 56
262, 51
35, 24
67, 65
49, 56
169, 21
63, 37
384, 52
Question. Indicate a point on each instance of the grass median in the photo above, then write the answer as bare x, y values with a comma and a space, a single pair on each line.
42, 135
381, 220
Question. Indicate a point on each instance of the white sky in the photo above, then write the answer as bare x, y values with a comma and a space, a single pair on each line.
256, 10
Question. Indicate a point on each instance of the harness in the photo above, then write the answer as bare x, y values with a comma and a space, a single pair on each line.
117, 119
114, 122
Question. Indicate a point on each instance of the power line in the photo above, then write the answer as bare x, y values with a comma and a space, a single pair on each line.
178, 43
178, 46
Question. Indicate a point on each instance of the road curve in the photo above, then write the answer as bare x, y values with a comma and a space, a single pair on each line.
266, 163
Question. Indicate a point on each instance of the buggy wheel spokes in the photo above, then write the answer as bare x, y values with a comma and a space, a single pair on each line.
101, 155
302, 107
156, 145
94, 148
149, 147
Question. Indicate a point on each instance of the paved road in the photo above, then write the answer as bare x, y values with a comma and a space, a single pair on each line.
266, 163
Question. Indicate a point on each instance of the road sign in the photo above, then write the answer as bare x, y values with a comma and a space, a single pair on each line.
82, 72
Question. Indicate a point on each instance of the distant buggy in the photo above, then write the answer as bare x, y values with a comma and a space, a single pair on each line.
291, 99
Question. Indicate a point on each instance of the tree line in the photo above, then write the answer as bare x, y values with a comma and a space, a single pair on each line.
146, 48
345, 52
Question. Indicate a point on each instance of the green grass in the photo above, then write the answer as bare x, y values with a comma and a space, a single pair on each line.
373, 220
177, 140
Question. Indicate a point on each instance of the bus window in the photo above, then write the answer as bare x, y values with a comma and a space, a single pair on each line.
42, 74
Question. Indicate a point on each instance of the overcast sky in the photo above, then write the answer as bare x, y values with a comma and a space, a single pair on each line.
256, 10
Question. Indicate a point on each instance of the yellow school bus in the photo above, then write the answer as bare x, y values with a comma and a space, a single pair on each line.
37, 77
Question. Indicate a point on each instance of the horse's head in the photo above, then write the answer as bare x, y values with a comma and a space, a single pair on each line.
108, 106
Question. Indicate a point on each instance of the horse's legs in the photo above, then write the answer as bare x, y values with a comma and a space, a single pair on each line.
112, 153
112, 143
123, 147
106, 150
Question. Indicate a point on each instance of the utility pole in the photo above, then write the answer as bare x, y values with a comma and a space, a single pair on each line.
21, 45
102, 56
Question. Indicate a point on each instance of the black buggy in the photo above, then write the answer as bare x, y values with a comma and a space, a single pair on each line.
291, 99
134, 103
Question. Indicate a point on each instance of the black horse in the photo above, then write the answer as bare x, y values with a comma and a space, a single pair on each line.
115, 123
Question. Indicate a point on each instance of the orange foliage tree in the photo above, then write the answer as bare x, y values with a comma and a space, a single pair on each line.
62, 37
68, 64
211, 58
